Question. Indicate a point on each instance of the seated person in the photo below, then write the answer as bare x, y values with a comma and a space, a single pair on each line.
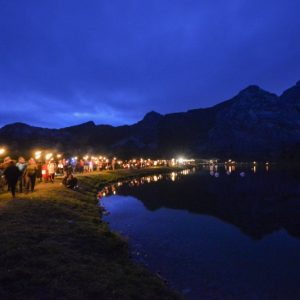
71, 182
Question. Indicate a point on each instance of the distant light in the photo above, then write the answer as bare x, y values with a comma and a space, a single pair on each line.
2, 151
173, 176
48, 156
37, 154
180, 160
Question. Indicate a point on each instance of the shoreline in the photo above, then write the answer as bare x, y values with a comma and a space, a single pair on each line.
55, 245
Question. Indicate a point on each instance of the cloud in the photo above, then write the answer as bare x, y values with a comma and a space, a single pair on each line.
113, 60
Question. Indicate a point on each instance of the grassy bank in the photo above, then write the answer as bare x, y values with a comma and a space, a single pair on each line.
54, 246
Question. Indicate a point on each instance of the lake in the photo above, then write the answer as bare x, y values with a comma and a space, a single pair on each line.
214, 232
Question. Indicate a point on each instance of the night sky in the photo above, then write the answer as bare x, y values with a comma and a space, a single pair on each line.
65, 62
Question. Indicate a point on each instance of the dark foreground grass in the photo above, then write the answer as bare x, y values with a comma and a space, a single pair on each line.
55, 246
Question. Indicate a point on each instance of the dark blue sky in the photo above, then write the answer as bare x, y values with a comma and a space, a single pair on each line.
64, 62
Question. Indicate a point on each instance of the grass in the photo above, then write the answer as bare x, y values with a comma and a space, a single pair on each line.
55, 246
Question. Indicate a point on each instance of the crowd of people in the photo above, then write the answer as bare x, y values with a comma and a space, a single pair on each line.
21, 175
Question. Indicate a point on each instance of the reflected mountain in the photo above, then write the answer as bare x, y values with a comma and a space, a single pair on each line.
258, 204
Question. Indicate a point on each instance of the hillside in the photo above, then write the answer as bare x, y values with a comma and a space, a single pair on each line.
255, 124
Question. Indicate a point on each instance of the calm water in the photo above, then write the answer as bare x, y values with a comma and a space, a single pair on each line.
226, 237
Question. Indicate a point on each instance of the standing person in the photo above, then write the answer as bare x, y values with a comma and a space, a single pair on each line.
39, 171
51, 170
81, 166
69, 170
30, 175
86, 166
91, 166
113, 164
11, 174
45, 174
60, 168
21, 165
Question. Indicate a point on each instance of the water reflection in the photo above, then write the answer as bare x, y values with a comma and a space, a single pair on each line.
255, 200
113, 188
180, 225
215, 170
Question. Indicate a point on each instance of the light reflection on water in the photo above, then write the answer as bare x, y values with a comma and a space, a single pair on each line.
113, 188
214, 170
215, 237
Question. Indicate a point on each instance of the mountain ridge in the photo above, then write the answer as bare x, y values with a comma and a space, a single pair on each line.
254, 124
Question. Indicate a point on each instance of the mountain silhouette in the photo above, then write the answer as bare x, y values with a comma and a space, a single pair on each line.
255, 124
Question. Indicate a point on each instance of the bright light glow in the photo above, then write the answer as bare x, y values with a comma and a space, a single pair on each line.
2, 151
48, 156
173, 176
180, 160
38, 154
